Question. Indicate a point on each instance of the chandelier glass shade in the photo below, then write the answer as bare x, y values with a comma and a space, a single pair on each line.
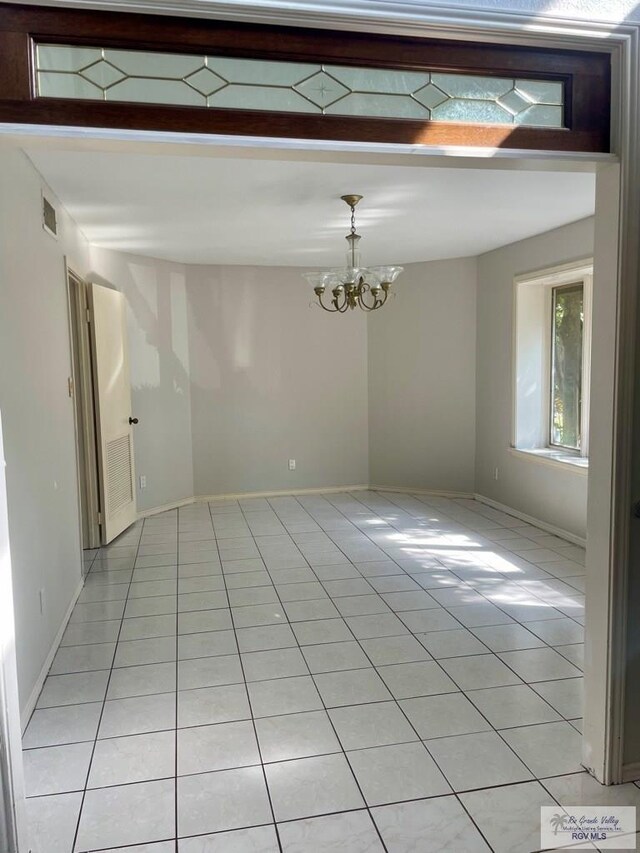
353, 286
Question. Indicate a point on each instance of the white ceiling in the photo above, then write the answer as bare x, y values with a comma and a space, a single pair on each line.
223, 210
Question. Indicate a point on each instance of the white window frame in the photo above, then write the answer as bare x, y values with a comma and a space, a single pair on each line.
532, 361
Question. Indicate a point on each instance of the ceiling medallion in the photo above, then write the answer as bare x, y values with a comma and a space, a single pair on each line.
365, 287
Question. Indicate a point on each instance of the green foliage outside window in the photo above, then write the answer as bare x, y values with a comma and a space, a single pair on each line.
566, 366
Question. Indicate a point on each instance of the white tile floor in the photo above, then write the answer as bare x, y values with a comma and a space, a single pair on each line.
336, 672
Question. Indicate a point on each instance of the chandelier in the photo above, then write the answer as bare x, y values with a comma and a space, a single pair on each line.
365, 287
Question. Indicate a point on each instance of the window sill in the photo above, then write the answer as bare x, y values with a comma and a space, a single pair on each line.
556, 458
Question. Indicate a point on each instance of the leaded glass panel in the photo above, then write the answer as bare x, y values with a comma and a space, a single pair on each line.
129, 76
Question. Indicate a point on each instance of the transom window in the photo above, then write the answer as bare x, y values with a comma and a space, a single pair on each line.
97, 73
90, 68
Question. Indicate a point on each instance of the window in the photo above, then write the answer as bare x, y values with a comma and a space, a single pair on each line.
567, 327
552, 363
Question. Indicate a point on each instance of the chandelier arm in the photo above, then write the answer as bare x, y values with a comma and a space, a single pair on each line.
363, 288
341, 307
324, 307
362, 303
380, 300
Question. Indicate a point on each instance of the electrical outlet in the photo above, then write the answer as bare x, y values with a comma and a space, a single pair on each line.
41, 600
496, 473
143, 481
292, 464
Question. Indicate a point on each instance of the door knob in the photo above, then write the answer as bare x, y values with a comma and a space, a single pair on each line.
133, 420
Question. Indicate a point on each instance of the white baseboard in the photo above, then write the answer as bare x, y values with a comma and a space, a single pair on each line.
434, 493
631, 772
530, 519
155, 510
283, 493
234, 496
25, 714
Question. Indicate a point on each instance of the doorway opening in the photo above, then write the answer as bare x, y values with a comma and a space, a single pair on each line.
202, 337
101, 391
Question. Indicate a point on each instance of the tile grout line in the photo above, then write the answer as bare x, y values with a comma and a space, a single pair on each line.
177, 648
419, 740
104, 700
491, 652
343, 751
259, 538
425, 743
397, 703
248, 696
293, 713
493, 728
506, 579
456, 793
444, 567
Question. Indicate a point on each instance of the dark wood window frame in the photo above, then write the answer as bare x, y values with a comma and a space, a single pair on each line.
586, 76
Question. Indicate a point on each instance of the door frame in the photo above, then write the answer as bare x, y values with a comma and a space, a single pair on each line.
607, 600
13, 832
82, 390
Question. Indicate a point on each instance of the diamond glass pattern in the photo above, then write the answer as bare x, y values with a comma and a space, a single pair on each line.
430, 96
103, 74
133, 76
205, 81
514, 102
322, 89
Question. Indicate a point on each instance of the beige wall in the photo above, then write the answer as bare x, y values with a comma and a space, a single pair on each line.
37, 412
233, 374
422, 380
554, 494
273, 379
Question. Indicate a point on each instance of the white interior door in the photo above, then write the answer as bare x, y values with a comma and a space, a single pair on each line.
113, 411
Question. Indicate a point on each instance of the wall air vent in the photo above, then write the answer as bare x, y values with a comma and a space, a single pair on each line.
49, 217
